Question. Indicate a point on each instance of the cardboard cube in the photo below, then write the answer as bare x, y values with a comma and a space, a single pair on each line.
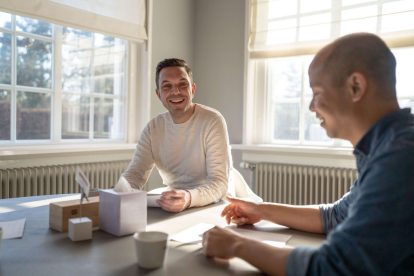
60, 213
122, 213
80, 229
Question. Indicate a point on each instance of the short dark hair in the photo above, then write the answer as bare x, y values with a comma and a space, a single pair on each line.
172, 62
362, 52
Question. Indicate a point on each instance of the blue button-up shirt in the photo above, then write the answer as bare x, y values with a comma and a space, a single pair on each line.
371, 228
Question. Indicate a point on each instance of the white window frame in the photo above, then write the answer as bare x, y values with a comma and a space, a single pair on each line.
137, 114
55, 93
256, 145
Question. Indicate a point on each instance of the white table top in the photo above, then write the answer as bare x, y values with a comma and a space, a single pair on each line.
42, 251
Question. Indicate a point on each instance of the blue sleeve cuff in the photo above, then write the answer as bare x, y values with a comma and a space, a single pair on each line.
326, 216
298, 261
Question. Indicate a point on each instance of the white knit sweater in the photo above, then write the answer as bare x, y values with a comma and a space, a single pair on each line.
194, 156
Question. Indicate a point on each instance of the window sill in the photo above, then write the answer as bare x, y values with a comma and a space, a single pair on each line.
301, 155
45, 155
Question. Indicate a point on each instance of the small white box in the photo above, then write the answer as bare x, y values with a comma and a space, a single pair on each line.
80, 229
122, 213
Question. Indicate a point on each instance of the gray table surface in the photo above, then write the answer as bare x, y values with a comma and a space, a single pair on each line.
42, 251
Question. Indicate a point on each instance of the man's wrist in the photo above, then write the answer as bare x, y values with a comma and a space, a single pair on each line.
239, 247
188, 199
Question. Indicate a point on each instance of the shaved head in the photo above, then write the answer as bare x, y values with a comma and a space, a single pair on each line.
360, 52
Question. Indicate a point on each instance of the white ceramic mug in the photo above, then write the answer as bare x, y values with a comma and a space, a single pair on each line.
151, 247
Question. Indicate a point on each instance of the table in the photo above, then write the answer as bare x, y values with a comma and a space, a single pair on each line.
42, 251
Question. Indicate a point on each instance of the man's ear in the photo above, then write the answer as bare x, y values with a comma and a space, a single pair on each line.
157, 91
193, 89
357, 86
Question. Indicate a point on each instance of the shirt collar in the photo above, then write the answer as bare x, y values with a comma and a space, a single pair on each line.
375, 134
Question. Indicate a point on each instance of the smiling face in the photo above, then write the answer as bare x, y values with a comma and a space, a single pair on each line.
176, 91
353, 84
329, 102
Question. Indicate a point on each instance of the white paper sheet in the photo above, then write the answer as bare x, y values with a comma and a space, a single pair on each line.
269, 237
83, 182
123, 186
195, 233
13, 229
192, 234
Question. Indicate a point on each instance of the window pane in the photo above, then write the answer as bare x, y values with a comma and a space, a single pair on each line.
104, 118
407, 103
103, 83
306, 83
405, 89
354, 2
5, 58
315, 27
5, 20
281, 31
76, 60
397, 16
315, 5
33, 116
34, 62
75, 117
33, 26
286, 121
109, 65
405, 57
313, 131
93, 78
362, 19
282, 8
285, 78
284, 104
5, 104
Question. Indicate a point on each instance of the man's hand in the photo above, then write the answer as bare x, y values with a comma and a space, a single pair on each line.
241, 212
221, 243
225, 244
175, 200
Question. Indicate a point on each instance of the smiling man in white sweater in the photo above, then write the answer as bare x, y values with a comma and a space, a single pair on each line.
189, 144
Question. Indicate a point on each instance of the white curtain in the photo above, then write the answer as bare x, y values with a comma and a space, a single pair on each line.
120, 18
295, 27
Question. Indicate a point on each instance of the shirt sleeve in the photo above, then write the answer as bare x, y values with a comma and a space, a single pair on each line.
218, 163
382, 209
334, 213
142, 163
298, 261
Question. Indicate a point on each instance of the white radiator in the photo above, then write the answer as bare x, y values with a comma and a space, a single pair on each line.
297, 184
57, 179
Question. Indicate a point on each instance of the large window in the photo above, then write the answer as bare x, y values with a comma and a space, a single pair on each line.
60, 84
285, 34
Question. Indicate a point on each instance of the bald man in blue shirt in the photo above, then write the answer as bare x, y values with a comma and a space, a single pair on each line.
370, 229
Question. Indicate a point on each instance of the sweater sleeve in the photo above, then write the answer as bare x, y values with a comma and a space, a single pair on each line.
218, 163
142, 163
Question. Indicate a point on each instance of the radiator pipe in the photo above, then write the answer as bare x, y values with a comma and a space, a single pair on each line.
247, 165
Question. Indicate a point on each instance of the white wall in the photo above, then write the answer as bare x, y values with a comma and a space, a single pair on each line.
172, 35
209, 35
219, 63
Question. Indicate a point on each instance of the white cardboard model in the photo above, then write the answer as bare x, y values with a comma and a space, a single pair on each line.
122, 213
